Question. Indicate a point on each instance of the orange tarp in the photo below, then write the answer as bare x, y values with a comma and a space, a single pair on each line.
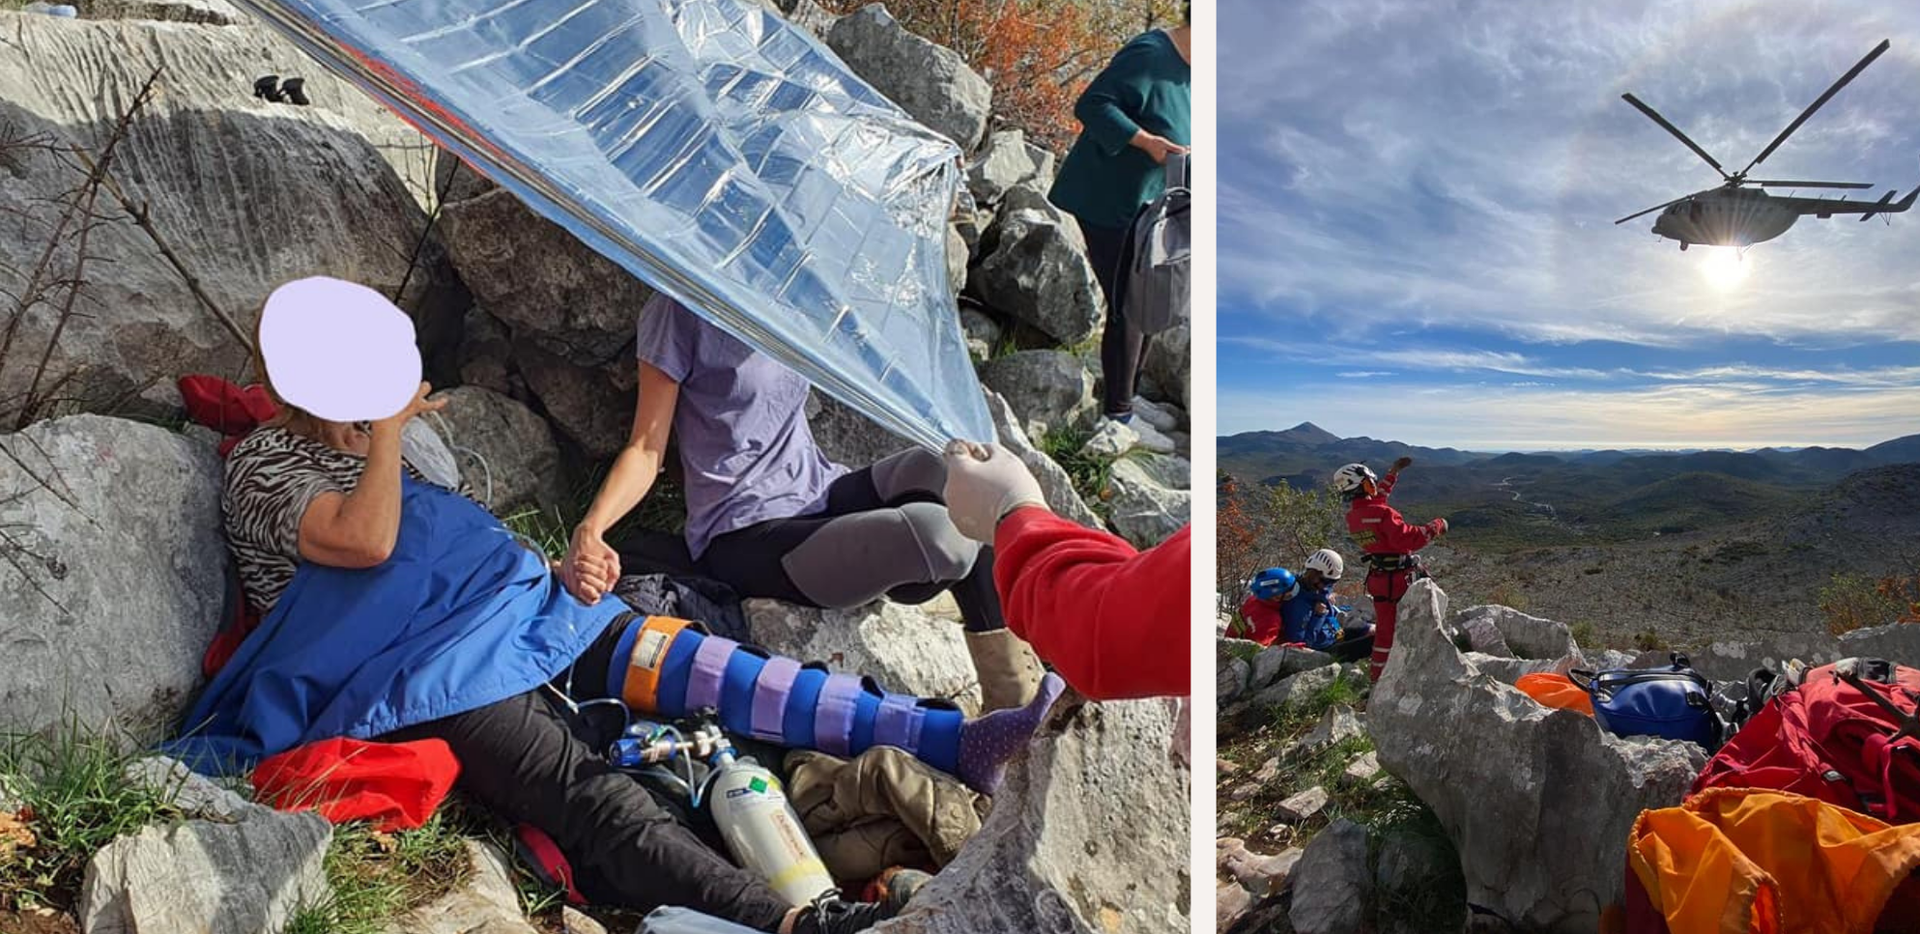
1553, 690
1746, 861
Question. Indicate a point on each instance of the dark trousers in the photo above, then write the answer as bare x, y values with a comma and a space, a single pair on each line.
530, 760
891, 548
1123, 348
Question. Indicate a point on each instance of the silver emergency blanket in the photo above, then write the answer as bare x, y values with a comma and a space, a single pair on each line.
715, 151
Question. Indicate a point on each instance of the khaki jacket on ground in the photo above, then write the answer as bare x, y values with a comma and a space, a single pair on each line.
884, 808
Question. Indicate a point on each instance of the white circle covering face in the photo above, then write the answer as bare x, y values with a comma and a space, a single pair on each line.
339, 350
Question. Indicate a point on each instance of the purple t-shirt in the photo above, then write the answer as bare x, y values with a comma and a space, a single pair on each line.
745, 447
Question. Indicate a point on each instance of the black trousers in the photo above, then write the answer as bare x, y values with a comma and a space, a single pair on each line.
887, 555
1123, 348
531, 760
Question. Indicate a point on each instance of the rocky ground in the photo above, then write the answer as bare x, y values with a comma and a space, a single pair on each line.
1748, 580
1440, 799
114, 574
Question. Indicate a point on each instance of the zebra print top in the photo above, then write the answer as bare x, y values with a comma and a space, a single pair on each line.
273, 475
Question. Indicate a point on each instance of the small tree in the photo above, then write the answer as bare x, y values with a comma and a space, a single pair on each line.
1299, 522
1850, 601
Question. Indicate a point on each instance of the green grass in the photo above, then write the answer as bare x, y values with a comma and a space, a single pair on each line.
1584, 633
73, 784
1089, 473
1385, 807
376, 876
536, 897
663, 510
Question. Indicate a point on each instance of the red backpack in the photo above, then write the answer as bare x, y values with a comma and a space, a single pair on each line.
1848, 735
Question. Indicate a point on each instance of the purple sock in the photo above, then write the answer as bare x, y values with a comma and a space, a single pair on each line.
986, 743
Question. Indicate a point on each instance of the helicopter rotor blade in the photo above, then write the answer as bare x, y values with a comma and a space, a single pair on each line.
1771, 183
1654, 208
1654, 115
1837, 85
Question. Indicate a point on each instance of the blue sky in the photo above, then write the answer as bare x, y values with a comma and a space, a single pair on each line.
1417, 240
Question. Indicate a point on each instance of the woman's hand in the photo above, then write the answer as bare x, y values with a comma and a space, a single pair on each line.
1158, 147
590, 568
1401, 464
418, 406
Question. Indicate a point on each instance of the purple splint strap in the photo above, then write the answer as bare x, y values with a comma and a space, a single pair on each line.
709, 668
895, 724
833, 715
770, 698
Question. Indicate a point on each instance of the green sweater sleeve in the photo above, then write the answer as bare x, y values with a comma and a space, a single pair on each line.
1105, 108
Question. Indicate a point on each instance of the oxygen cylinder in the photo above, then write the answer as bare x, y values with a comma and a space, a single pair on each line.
762, 830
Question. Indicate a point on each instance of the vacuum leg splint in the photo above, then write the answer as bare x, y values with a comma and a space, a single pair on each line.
669, 668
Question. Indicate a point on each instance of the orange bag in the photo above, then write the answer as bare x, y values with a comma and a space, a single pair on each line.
1746, 861
1558, 691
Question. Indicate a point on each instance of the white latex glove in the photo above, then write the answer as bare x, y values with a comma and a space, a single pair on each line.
984, 483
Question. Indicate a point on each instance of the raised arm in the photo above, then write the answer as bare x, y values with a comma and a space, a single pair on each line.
359, 529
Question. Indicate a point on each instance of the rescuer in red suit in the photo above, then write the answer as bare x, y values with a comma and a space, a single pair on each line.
1391, 545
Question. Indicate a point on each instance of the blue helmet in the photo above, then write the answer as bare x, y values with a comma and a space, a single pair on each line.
1274, 584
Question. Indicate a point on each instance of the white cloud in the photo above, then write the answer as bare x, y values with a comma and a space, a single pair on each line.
1511, 417
1461, 168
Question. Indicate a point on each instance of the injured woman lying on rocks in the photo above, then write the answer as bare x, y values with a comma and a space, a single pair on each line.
395, 609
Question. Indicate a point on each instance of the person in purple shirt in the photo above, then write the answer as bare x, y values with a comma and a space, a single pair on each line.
771, 516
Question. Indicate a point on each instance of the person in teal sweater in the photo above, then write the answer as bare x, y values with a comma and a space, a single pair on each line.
1133, 116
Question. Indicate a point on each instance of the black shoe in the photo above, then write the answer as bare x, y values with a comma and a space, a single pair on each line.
833, 916
267, 88
295, 90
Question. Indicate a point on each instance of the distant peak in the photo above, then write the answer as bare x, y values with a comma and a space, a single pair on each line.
1312, 432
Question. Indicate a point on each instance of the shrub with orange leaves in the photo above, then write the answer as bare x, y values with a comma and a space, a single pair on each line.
1037, 54
1238, 543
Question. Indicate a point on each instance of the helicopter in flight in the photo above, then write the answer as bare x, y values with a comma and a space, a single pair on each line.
1737, 215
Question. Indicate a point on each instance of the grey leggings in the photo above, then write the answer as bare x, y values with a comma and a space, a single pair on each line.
884, 532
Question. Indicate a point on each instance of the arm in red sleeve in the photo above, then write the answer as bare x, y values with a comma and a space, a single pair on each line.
1402, 538
1381, 530
1112, 621
1263, 620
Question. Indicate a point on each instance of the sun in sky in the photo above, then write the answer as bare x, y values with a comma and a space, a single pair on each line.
1725, 268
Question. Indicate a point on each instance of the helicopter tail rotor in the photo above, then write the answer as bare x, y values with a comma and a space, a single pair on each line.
1884, 207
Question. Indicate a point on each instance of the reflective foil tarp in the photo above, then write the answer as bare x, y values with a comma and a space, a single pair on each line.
714, 150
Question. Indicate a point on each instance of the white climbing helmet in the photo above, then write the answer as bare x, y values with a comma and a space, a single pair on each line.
1327, 562
1346, 480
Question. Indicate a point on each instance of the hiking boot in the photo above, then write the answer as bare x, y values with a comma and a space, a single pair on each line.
295, 91
267, 88
833, 916
1008, 671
